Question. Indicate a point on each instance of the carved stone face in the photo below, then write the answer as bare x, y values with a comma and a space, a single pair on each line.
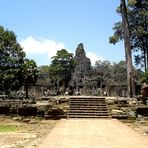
80, 46
80, 50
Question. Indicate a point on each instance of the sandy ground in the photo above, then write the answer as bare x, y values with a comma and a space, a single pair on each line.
93, 133
31, 131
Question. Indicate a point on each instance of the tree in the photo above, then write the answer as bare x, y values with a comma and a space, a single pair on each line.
139, 30
30, 73
122, 31
43, 75
103, 69
62, 67
112, 73
11, 60
138, 22
144, 78
127, 47
118, 73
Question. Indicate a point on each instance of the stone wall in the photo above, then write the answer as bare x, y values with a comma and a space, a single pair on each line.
48, 107
126, 108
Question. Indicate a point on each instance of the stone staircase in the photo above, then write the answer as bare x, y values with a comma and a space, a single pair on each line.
87, 107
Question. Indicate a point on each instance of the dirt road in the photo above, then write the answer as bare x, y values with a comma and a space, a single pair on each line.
93, 133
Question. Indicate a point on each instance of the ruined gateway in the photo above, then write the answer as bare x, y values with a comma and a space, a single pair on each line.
82, 79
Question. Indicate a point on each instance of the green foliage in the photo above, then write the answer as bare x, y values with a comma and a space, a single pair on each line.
113, 39
62, 66
144, 78
29, 70
30, 73
8, 128
119, 72
138, 22
43, 76
112, 73
14, 68
103, 68
11, 60
116, 74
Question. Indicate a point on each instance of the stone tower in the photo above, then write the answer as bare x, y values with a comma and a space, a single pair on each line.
82, 72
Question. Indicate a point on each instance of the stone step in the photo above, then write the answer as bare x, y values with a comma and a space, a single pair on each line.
88, 108
82, 115
87, 105
88, 99
99, 102
88, 115
85, 98
85, 116
81, 107
92, 109
86, 102
83, 102
79, 112
87, 112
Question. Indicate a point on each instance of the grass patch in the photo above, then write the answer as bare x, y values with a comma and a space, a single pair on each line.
8, 128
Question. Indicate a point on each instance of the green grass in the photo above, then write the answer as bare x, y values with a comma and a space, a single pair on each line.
8, 128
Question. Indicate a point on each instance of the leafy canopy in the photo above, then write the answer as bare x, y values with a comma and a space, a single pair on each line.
11, 60
138, 22
62, 65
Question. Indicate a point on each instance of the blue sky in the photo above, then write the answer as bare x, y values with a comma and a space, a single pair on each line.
45, 26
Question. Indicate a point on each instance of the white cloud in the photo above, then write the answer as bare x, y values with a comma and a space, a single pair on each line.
93, 57
48, 48
41, 46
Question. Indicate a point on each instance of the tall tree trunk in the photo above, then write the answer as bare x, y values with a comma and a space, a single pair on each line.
26, 88
146, 59
130, 82
145, 67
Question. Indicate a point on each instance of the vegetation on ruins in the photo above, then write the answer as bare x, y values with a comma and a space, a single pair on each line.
65, 73
43, 75
112, 73
76, 72
144, 78
61, 68
30, 73
86, 78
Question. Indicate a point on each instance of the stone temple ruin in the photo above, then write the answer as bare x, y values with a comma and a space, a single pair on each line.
81, 80
84, 81
89, 104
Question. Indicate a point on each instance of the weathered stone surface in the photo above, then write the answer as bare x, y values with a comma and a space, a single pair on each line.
4, 109
63, 100
27, 110
144, 90
51, 107
142, 110
110, 100
117, 112
82, 81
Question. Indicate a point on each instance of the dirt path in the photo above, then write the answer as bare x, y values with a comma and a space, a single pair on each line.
93, 133
28, 133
